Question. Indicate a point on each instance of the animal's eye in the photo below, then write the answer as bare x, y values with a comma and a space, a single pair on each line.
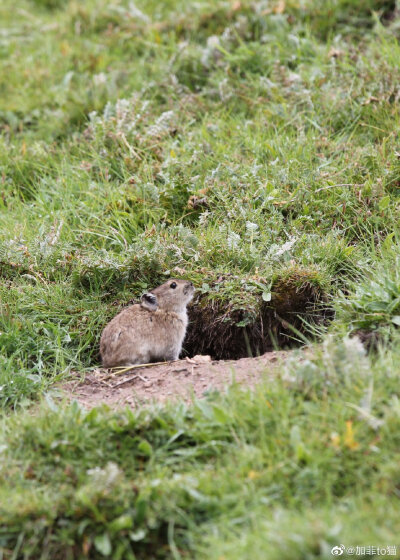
173, 285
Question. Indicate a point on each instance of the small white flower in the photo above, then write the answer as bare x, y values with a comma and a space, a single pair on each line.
107, 476
213, 42
138, 14
354, 345
162, 124
278, 250
251, 227
108, 111
99, 79
203, 218
233, 240
225, 90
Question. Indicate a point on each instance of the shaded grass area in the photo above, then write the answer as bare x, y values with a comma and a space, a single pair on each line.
212, 478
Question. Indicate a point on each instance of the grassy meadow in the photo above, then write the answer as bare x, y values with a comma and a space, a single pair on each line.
249, 146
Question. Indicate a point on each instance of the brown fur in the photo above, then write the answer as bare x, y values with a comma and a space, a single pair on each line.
150, 331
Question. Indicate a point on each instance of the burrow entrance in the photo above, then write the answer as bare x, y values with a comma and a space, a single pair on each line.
224, 331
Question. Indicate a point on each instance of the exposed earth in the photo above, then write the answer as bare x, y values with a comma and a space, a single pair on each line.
180, 379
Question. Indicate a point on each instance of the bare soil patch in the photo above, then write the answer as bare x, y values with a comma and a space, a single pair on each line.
182, 379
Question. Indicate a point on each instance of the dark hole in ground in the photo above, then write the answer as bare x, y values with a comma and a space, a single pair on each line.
226, 333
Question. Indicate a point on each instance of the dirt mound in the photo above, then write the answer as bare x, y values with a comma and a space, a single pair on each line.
180, 379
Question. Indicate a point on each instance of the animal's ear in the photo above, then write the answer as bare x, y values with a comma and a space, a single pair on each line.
149, 301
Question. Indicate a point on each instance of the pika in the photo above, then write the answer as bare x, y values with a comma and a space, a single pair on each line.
150, 331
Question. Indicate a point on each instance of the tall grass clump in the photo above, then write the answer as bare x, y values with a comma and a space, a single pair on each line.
373, 304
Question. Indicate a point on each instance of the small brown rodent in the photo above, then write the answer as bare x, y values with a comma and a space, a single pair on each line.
150, 331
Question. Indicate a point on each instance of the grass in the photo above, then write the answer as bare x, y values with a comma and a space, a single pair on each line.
252, 148
215, 476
